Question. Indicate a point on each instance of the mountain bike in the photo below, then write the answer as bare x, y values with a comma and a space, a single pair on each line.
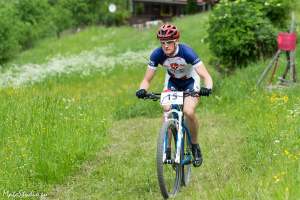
174, 151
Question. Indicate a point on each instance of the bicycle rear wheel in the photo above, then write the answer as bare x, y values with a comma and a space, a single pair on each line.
168, 174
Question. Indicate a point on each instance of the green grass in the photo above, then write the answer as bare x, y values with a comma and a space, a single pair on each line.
47, 131
85, 40
88, 137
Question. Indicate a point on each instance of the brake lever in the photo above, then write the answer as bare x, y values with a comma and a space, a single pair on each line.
196, 94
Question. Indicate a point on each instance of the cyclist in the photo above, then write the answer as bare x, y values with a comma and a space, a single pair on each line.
184, 69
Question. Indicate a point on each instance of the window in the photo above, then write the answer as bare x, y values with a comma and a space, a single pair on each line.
166, 10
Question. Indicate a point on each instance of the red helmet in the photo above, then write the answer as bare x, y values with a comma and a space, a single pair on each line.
168, 32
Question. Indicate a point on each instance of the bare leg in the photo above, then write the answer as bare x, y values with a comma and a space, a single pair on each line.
190, 104
166, 109
189, 111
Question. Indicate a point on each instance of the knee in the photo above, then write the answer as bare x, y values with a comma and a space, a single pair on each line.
166, 108
189, 112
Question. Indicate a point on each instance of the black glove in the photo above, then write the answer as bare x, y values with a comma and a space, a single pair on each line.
141, 93
205, 91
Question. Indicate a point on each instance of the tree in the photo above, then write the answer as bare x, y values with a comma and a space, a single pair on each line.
191, 6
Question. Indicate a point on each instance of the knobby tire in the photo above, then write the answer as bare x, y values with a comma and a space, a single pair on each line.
168, 186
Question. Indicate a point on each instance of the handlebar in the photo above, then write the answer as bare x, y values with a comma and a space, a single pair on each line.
156, 96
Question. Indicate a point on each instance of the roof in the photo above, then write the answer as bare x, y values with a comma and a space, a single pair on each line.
169, 1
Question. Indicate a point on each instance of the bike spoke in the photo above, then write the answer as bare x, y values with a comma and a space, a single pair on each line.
169, 173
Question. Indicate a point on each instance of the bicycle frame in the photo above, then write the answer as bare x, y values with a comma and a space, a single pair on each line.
176, 110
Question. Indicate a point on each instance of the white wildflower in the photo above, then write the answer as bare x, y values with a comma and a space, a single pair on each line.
85, 63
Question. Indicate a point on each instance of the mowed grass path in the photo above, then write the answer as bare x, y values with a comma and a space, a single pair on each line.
126, 168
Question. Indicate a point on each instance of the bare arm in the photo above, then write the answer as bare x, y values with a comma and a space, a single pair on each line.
203, 73
145, 84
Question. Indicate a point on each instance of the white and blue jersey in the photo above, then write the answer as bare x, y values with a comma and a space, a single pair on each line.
181, 74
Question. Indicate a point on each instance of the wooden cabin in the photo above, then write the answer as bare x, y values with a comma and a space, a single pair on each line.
145, 10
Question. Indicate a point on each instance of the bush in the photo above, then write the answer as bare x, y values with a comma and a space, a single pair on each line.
80, 11
86, 12
9, 32
277, 11
62, 18
36, 18
117, 18
191, 6
23, 22
239, 33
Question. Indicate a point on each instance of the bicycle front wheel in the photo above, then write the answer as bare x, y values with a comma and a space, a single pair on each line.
169, 173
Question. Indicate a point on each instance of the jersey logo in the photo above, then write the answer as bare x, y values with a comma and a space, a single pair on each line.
174, 65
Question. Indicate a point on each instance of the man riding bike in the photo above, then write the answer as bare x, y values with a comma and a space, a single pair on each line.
184, 69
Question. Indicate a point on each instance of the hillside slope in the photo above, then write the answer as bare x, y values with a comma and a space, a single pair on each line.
86, 136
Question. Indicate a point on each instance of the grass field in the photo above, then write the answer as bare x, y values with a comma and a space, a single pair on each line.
82, 134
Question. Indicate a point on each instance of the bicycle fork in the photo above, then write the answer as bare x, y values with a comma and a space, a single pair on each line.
168, 116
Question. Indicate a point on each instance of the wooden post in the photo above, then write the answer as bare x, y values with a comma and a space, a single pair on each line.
292, 53
293, 67
288, 57
268, 68
274, 70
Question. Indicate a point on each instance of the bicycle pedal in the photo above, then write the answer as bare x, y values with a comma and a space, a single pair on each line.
197, 163
186, 162
169, 161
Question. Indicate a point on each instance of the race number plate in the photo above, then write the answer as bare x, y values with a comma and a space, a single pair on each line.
168, 98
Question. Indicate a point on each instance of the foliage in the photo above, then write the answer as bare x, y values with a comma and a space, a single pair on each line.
80, 10
239, 33
94, 11
139, 8
27, 21
277, 11
62, 18
9, 35
36, 18
191, 6
117, 18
